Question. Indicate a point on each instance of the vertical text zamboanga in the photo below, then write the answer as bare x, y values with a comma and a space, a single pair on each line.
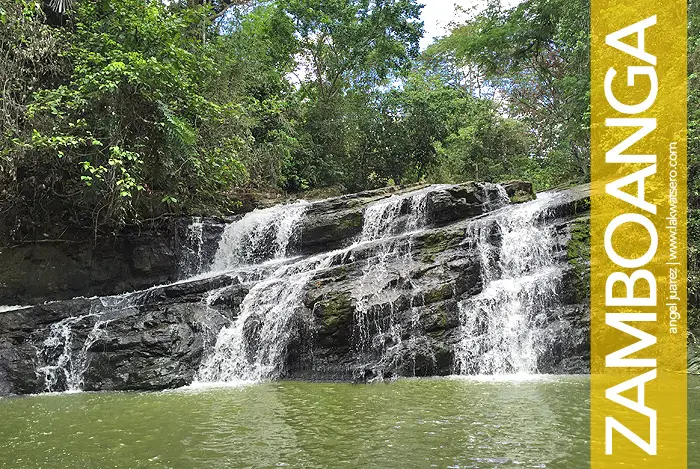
638, 176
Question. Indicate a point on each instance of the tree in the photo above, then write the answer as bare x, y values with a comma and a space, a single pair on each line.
356, 44
487, 147
346, 50
536, 55
422, 113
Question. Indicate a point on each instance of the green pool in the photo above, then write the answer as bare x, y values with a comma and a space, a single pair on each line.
446, 423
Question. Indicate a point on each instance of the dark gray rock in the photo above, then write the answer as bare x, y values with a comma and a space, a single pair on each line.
420, 303
149, 348
52, 270
139, 258
334, 223
462, 201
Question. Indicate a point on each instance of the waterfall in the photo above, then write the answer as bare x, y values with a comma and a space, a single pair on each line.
7, 308
259, 235
376, 333
262, 234
259, 250
501, 328
380, 339
65, 367
65, 352
60, 373
501, 200
193, 260
396, 214
254, 346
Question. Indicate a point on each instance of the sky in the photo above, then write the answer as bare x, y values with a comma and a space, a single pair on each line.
437, 14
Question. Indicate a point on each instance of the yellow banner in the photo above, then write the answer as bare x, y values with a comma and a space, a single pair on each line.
638, 234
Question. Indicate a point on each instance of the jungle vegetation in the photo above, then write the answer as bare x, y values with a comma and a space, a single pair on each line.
120, 111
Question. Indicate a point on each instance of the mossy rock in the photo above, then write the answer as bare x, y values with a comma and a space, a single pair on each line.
441, 293
351, 222
334, 311
519, 191
437, 242
578, 251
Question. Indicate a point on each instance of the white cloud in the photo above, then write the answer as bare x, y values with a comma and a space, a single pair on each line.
438, 14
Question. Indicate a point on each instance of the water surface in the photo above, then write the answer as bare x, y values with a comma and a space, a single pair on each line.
447, 423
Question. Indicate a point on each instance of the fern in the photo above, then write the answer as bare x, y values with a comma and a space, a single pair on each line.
178, 132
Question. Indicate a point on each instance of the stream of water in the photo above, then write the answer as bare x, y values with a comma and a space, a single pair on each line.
254, 346
502, 328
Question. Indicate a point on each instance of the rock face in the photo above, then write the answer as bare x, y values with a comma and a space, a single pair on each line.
54, 270
395, 282
147, 340
333, 223
519, 191
140, 258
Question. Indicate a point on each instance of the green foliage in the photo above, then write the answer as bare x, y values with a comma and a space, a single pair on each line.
694, 108
694, 165
125, 110
487, 146
416, 118
31, 59
536, 57
125, 123
348, 50
354, 43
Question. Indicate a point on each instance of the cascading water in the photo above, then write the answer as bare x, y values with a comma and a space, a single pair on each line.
254, 346
502, 327
258, 236
396, 214
501, 200
256, 250
376, 332
60, 372
65, 352
251, 348
65, 366
379, 338
193, 259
